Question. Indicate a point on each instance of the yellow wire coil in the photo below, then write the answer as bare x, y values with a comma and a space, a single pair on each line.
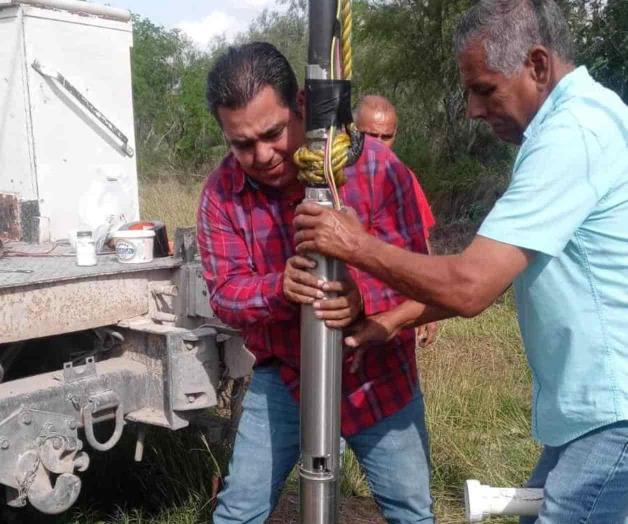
311, 162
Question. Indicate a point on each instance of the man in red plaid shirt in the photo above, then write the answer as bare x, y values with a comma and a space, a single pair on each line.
257, 284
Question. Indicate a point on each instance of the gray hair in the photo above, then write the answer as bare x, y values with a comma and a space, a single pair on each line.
510, 28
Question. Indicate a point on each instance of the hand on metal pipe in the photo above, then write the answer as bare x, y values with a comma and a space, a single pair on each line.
299, 286
344, 309
332, 233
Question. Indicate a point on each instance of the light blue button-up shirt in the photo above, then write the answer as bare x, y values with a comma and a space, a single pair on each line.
568, 202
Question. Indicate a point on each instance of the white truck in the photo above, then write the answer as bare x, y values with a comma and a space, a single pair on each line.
132, 343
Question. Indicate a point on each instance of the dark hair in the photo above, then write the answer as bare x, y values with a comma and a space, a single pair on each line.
510, 28
243, 71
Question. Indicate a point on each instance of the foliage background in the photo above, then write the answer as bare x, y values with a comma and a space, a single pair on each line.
402, 50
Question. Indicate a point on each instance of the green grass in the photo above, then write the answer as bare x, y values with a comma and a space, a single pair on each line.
477, 394
172, 485
170, 199
477, 390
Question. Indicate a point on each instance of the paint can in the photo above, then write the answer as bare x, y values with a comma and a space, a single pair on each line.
134, 246
161, 245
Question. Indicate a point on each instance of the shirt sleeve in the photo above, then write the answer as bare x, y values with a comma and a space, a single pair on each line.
556, 185
395, 219
239, 296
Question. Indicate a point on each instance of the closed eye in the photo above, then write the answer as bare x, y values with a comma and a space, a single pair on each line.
241, 144
274, 133
271, 135
483, 90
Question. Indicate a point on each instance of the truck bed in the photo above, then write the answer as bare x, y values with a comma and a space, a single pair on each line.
50, 264
46, 293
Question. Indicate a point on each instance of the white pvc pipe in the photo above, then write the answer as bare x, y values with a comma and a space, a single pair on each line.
76, 6
483, 501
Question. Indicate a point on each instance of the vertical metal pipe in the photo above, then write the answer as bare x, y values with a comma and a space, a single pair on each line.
322, 17
321, 383
321, 347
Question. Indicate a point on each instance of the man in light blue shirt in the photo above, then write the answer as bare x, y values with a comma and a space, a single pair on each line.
568, 203
559, 233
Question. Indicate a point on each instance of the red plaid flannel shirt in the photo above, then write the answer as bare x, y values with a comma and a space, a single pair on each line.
245, 235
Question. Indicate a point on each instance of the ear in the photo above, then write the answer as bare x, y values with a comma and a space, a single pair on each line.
540, 65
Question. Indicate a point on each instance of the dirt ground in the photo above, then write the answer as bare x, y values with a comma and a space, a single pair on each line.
353, 510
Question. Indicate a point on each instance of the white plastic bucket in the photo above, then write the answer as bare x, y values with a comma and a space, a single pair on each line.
134, 246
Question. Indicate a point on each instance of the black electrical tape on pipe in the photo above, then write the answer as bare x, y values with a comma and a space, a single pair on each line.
328, 103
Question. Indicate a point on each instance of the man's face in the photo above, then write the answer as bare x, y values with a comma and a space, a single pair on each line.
378, 124
507, 104
263, 136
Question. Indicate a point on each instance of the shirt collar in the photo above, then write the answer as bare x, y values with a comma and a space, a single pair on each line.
567, 83
241, 180
239, 176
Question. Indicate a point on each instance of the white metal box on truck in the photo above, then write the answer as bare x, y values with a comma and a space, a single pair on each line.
66, 118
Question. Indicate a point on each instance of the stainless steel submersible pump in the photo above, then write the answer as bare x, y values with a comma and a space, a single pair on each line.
321, 347
321, 383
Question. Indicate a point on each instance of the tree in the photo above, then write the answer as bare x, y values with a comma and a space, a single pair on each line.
601, 32
403, 50
173, 126
287, 31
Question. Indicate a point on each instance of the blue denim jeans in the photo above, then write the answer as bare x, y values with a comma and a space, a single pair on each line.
393, 453
584, 481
